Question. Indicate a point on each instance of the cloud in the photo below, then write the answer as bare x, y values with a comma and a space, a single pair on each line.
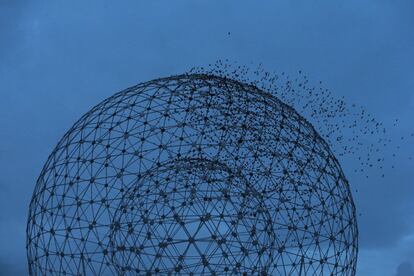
405, 269
83, 51
11, 15
9, 269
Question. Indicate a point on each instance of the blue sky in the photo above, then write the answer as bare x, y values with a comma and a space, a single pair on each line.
59, 58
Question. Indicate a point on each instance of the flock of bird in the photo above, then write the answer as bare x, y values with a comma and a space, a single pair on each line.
351, 131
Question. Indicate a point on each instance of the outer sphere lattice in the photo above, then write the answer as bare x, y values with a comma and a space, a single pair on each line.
192, 174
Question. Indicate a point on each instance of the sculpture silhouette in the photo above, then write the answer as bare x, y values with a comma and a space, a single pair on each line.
192, 174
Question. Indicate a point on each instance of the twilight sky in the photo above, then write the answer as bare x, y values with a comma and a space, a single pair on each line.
59, 58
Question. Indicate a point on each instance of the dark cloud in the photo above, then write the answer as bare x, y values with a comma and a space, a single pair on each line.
405, 269
59, 58
12, 27
8, 269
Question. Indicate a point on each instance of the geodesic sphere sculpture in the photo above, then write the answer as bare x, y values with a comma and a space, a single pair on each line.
192, 174
192, 216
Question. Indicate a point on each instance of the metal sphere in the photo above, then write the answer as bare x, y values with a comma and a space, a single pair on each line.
192, 216
192, 174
